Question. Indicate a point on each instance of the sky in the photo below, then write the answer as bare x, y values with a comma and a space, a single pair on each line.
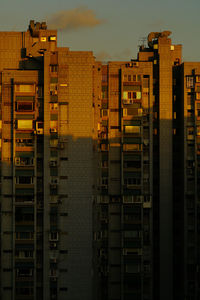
112, 29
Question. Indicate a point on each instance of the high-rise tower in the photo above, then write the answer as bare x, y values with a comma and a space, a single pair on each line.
47, 166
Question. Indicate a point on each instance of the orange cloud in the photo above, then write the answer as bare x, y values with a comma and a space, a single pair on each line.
77, 18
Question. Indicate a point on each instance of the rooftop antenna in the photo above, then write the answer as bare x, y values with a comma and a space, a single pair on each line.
142, 42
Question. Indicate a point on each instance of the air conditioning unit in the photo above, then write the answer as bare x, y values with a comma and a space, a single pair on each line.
17, 161
53, 130
54, 180
125, 101
140, 112
53, 186
61, 146
53, 245
53, 278
40, 131
53, 163
135, 63
54, 93
104, 186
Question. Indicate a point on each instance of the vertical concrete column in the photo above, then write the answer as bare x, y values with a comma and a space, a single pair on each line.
165, 163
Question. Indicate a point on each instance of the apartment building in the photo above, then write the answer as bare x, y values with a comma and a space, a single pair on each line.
124, 236
147, 237
47, 166
99, 171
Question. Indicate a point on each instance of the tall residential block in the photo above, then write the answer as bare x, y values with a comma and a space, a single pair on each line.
100, 172
47, 166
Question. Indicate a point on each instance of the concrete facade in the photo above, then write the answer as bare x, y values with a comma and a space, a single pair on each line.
99, 171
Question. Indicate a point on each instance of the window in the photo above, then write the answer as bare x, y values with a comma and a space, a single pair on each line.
54, 106
104, 147
104, 77
132, 147
24, 124
132, 129
132, 95
53, 89
25, 88
53, 236
63, 251
43, 39
198, 130
24, 161
132, 234
189, 82
24, 291
132, 181
24, 253
24, 198
24, 142
104, 181
53, 142
132, 164
24, 106
53, 126
52, 38
24, 180
197, 78
104, 112
24, 272
53, 68
197, 96
132, 268
24, 235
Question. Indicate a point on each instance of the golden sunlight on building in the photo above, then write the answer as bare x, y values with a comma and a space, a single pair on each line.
99, 171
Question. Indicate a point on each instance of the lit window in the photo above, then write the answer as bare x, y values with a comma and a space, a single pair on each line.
52, 38
24, 124
132, 147
132, 129
43, 39
25, 88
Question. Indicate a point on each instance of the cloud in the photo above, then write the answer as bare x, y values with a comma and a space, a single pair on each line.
77, 18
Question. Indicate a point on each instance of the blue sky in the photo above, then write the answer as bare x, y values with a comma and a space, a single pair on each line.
123, 24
